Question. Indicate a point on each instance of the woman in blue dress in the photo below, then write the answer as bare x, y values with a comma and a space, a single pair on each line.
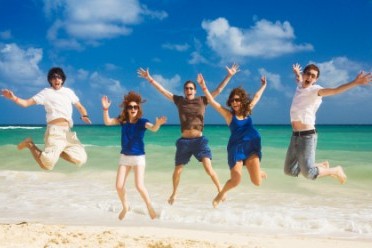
133, 127
244, 147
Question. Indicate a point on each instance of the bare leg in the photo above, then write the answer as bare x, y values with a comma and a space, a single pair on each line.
236, 176
35, 151
139, 173
336, 172
176, 181
254, 170
210, 171
324, 164
121, 178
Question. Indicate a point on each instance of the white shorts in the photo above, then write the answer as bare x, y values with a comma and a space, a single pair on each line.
132, 160
60, 139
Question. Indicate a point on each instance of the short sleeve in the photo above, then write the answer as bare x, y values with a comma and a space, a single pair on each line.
177, 99
205, 100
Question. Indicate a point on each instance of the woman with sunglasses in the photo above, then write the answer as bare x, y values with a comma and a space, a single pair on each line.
133, 128
244, 147
60, 141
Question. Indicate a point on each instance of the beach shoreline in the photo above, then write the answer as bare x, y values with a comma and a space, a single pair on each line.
78, 207
31, 235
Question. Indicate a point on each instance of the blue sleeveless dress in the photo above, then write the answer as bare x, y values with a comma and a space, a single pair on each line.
244, 141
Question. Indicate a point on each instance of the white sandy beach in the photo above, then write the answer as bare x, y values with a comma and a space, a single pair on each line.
41, 235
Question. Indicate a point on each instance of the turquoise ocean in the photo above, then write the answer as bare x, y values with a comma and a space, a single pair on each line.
282, 205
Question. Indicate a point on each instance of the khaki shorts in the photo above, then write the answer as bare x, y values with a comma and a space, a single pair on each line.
59, 139
134, 160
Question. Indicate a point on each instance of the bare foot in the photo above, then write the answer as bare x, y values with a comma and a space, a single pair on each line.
340, 175
123, 212
220, 197
152, 212
324, 164
171, 199
263, 175
25, 144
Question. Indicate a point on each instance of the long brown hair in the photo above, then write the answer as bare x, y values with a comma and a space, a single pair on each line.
130, 97
245, 103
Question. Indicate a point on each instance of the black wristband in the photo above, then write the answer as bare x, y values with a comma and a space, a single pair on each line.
86, 116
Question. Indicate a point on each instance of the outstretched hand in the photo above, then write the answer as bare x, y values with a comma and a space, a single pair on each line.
7, 94
161, 120
263, 81
363, 78
86, 119
144, 73
297, 69
106, 103
200, 80
233, 70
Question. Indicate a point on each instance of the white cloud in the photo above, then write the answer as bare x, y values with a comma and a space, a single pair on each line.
273, 79
274, 82
171, 84
177, 47
20, 66
93, 20
197, 58
337, 71
341, 70
105, 85
111, 67
264, 39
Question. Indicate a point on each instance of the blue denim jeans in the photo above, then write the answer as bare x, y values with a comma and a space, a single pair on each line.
301, 156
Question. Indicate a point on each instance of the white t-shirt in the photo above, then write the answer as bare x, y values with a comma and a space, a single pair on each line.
305, 104
57, 103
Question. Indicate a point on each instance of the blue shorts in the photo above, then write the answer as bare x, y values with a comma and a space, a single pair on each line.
194, 146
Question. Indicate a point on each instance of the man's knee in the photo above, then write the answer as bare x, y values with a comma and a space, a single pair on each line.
47, 162
82, 159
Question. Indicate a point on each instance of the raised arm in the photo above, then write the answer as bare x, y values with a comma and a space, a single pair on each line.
230, 73
223, 111
362, 78
19, 101
146, 75
106, 103
158, 122
297, 70
259, 93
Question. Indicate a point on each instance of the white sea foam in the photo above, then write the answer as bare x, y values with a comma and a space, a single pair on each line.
18, 127
89, 197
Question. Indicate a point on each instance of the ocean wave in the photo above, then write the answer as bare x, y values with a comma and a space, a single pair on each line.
18, 127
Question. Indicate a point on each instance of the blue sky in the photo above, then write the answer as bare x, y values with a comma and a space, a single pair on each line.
101, 44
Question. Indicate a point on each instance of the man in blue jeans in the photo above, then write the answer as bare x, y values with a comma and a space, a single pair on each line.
306, 101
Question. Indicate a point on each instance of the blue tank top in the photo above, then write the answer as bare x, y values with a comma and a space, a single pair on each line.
132, 135
242, 130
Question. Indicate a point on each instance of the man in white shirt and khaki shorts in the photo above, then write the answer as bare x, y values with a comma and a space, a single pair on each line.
60, 141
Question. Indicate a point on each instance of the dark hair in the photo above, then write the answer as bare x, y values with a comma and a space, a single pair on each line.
312, 67
130, 97
245, 109
189, 82
56, 70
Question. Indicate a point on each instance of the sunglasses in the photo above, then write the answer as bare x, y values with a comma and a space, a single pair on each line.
189, 88
235, 100
309, 74
56, 76
130, 107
